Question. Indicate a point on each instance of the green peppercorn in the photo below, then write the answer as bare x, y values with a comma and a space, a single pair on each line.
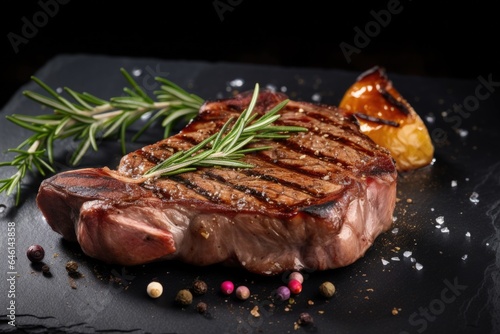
184, 297
327, 289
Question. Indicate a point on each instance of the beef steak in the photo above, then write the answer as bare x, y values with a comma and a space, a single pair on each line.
316, 200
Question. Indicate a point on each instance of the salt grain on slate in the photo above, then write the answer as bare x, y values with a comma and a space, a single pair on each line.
467, 234
385, 262
440, 220
462, 133
464, 257
407, 254
418, 266
453, 183
474, 198
395, 230
445, 230
395, 258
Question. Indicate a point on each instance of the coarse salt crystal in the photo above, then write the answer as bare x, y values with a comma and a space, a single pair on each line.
316, 97
412, 259
385, 262
236, 83
407, 254
467, 234
395, 258
438, 226
453, 183
440, 220
462, 132
474, 197
445, 230
418, 266
395, 230
464, 257
136, 72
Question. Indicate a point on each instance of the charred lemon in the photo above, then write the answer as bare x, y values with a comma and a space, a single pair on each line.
388, 119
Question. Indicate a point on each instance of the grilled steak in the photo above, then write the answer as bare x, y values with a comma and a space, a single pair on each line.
316, 200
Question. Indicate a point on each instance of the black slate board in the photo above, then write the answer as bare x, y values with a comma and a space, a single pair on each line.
451, 293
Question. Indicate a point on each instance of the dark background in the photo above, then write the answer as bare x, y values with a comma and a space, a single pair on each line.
423, 38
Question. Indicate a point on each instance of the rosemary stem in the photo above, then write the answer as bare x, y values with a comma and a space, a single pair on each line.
100, 109
107, 114
216, 155
103, 113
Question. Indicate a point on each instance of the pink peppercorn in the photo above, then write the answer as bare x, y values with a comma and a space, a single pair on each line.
294, 286
227, 287
282, 293
242, 292
296, 275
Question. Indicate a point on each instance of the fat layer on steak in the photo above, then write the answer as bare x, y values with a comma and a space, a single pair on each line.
316, 200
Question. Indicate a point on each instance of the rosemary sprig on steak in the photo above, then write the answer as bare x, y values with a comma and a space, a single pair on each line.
87, 118
229, 145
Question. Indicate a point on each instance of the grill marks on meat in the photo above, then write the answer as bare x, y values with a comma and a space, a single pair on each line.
315, 200
332, 149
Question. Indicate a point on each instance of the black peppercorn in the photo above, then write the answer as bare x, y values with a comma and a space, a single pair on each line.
199, 287
201, 307
305, 319
46, 270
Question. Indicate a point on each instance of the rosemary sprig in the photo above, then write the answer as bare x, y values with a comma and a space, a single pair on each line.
228, 146
24, 161
86, 119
